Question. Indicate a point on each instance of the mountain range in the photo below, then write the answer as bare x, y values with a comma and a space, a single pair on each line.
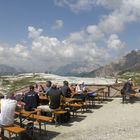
128, 63
4, 69
9, 70
75, 69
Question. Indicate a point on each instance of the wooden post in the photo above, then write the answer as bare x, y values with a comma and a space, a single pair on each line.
108, 90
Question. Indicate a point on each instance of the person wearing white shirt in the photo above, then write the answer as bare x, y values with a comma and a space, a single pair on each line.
7, 113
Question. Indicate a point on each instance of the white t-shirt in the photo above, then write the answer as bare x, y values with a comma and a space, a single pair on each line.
7, 111
78, 89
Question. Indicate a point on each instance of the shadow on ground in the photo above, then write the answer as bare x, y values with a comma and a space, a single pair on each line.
45, 135
132, 100
97, 106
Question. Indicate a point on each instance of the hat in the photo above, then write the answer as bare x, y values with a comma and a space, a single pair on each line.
129, 79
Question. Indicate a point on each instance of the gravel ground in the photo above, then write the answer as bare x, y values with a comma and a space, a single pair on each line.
111, 120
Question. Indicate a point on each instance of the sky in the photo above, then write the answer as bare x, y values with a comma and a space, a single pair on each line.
40, 35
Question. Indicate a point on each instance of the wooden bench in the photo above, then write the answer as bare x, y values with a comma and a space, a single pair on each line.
130, 96
57, 114
38, 118
34, 116
135, 95
74, 108
41, 119
100, 95
14, 129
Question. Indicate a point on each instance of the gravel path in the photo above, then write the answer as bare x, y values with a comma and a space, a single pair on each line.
111, 120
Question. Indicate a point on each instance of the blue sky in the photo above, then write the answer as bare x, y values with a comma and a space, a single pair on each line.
108, 28
17, 15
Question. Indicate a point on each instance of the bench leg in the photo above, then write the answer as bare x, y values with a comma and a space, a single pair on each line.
2, 131
45, 126
123, 98
10, 136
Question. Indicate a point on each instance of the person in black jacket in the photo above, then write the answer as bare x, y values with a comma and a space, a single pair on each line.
66, 90
31, 99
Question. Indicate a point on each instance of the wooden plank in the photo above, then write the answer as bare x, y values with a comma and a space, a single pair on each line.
14, 129
42, 118
30, 115
58, 112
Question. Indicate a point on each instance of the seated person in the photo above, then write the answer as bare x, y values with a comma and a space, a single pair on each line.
8, 107
80, 91
66, 90
48, 86
55, 97
128, 87
73, 89
41, 89
81, 88
38, 88
31, 99
91, 93
19, 98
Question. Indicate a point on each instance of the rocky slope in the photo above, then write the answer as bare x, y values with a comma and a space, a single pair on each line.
75, 69
129, 63
4, 69
9, 70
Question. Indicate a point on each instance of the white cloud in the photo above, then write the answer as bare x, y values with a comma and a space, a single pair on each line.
121, 13
77, 47
50, 53
127, 11
116, 21
76, 5
58, 24
61, 2
95, 32
1, 50
76, 37
115, 43
17, 55
20, 51
111, 4
33, 32
87, 5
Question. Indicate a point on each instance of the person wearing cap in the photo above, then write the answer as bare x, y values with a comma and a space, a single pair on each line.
128, 86
128, 89
81, 88
80, 91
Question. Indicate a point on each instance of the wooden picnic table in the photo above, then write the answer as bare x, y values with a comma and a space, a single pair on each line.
32, 115
135, 94
43, 97
136, 87
26, 114
69, 100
